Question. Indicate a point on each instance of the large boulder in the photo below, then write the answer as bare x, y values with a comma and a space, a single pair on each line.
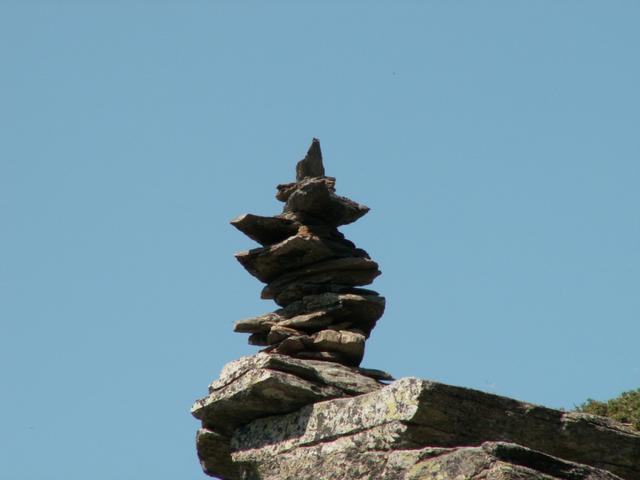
274, 417
267, 384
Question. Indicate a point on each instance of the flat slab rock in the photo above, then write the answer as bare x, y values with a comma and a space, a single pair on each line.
315, 312
343, 458
383, 434
336, 275
267, 384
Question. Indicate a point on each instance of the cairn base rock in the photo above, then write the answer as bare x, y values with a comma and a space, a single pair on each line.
275, 417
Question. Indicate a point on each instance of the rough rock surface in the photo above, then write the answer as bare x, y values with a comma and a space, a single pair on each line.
303, 409
256, 425
268, 384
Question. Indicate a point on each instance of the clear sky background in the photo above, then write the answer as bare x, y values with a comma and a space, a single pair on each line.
497, 144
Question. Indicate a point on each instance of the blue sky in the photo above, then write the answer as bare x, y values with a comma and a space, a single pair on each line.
496, 143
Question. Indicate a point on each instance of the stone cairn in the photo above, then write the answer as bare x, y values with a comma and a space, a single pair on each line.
312, 271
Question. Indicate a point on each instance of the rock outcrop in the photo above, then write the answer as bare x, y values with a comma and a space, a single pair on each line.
302, 408
275, 417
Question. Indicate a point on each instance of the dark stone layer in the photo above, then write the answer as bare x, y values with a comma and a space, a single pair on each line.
334, 276
269, 263
265, 230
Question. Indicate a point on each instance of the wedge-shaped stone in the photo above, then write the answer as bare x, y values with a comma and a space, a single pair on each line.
311, 165
413, 413
265, 230
336, 275
315, 198
267, 263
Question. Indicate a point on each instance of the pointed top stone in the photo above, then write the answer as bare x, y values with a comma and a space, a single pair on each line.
311, 164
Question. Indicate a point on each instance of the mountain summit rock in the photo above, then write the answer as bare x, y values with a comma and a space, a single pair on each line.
303, 409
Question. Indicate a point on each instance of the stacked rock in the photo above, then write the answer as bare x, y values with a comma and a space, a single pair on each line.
312, 271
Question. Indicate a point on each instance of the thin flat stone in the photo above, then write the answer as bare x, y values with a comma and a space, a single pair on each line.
310, 321
278, 333
284, 190
266, 384
322, 356
268, 263
258, 339
261, 324
349, 379
265, 230
297, 290
258, 393
413, 413
316, 278
376, 374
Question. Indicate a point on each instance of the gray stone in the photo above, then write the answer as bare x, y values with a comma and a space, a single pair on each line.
336, 275
315, 312
342, 458
278, 333
293, 345
261, 324
311, 164
267, 384
323, 356
265, 230
411, 414
348, 344
356, 308
314, 199
268, 263
310, 321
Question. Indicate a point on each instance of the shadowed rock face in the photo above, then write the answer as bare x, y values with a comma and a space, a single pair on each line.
311, 164
263, 385
304, 257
